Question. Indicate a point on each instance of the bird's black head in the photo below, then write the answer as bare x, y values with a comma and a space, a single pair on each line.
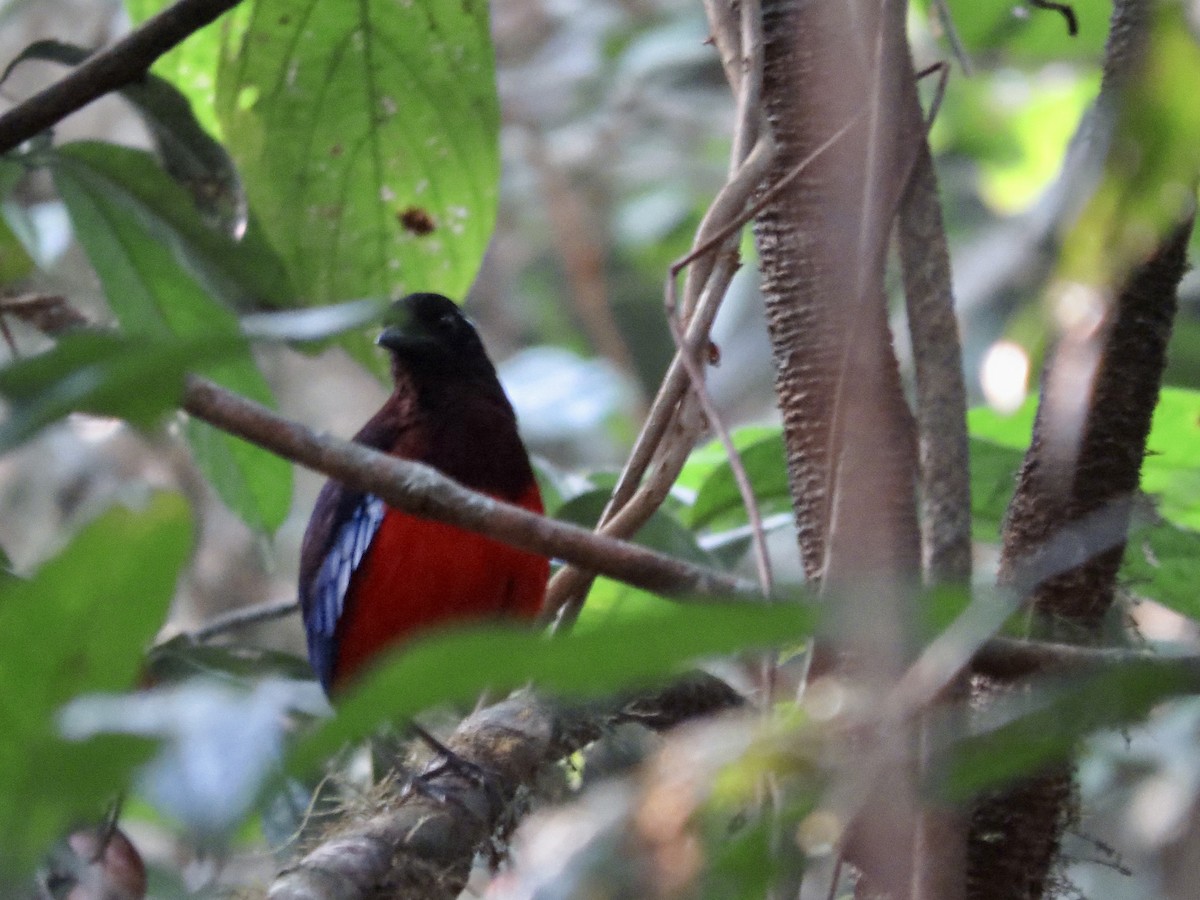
427, 334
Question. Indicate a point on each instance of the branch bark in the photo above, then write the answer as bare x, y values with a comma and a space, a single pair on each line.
849, 435
123, 63
425, 492
422, 845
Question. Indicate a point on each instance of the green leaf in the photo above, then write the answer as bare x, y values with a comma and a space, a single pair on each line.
705, 459
79, 625
105, 374
1021, 31
1152, 162
192, 65
123, 190
1162, 562
1171, 470
188, 152
1005, 430
15, 261
719, 499
358, 127
1029, 730
159, 264
661, 532
610, 601
457, 667
993, 479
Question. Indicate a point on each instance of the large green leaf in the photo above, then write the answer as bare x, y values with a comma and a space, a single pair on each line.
160, 267
192, 65
661, 531
719, 500
708, 457
188, 153
135, 379
79, 625
123, 190
457, 667
367, 135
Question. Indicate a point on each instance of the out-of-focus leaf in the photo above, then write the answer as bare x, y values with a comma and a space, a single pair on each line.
367, 135
1162, 562
1028, 730
610, 601
1041, 127
80, 624
15, 261
192, 65
993, 478
159, 265
130, 194
105, 374
457, 667
744, 862
1171, 470
218, 743
1021, 31
1152, 164
719, 498
1005, 430
661, 532
188, 152
1183, 354
705, 459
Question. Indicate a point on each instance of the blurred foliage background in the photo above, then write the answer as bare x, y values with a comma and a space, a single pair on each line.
614, 123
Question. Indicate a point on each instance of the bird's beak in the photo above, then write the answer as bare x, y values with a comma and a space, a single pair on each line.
393, 338
399, 331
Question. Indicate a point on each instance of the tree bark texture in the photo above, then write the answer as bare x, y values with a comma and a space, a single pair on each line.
849, 435
1016, 834
421, 844
823, 245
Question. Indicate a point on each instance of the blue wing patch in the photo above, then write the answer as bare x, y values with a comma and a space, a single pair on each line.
327, 597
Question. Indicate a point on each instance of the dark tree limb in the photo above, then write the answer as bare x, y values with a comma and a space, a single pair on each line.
940, 850
123, 63
423, 843
422, 491
941, 407
1016, 834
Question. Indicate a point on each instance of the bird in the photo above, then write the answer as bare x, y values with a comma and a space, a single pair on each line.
372, 576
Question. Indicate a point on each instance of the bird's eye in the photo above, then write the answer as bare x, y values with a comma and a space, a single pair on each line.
447, 323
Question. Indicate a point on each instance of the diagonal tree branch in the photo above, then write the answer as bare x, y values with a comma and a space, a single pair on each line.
423, 491
123, 63
422, 844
